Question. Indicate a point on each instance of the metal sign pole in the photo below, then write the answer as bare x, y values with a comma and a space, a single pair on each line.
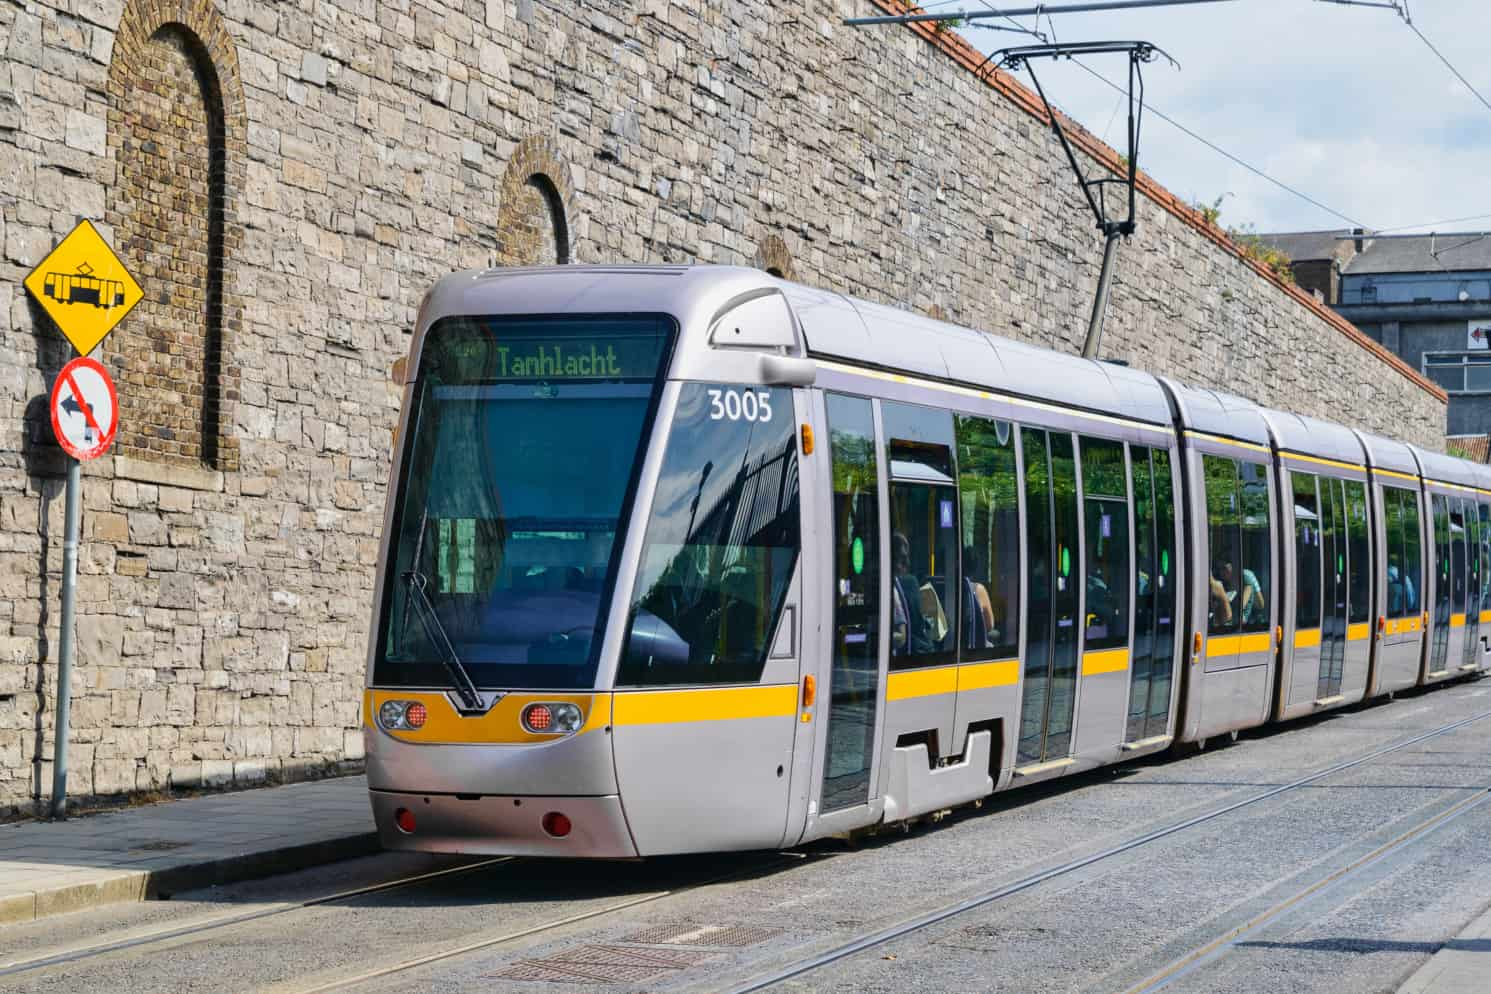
64, 660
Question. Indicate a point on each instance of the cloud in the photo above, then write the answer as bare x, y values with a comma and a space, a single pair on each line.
1345, 104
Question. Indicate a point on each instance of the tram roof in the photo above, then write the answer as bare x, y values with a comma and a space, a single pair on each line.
1388, 453
1213, 412
1313, 437
1448, 469
858, 331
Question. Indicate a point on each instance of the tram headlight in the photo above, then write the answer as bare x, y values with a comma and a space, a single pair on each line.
566, 718
391, 715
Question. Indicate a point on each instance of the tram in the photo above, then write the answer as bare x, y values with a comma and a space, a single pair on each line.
683, 559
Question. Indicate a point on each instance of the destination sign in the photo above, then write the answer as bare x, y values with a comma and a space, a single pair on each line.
477, 350
570, 361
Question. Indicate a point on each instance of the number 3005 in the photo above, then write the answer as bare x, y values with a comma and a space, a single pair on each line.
735, 405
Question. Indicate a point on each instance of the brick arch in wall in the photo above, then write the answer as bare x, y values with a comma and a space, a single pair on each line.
537, 202
177, 136
773, 256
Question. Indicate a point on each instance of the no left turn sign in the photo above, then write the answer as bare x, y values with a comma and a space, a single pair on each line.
85, 409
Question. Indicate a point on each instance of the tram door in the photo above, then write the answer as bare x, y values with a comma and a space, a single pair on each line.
1048, 697
1154, 594
1445, 577
1471, 653
1334, 579
853, 690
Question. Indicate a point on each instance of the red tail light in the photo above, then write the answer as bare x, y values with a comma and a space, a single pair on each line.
538, 717
404, 819
556, 824
415, 716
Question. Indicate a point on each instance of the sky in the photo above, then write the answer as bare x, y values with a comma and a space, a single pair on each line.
1343, 103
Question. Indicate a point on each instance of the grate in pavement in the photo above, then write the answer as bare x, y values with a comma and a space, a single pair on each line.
602, 964
705, 935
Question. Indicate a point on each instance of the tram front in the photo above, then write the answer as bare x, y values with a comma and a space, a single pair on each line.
507, 600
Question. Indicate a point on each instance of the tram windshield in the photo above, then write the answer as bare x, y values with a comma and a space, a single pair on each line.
524, 438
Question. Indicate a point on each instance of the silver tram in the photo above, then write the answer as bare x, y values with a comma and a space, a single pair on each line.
690, 558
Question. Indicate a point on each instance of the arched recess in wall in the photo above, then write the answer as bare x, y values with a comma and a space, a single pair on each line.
537, 202
176, 131
773, 256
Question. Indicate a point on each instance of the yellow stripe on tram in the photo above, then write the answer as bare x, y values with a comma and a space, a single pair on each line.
1457, 621
1105, 661
1358, 631
659, 707
980, 676
1307, 639
1324, 462
903, 684
1223, 440
1395, 474
1485, 617
1226, 645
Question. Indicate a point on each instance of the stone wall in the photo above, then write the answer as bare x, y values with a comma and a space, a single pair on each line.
289, 178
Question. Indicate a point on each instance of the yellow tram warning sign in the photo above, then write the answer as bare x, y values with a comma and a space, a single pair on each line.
84, 287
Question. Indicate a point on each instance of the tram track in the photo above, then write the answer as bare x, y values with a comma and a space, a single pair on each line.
226, 920
503, 937
1218, 947
927, 919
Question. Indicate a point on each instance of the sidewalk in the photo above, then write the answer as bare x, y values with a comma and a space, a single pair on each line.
47, 868
1461, 966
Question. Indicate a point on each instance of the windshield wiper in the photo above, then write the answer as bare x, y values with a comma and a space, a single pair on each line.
435, 631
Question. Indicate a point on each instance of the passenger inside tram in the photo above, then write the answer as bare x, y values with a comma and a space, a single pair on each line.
911, 627
978, 609
1221, 597
1253, 608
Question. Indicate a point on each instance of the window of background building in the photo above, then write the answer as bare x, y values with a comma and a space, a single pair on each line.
1459, 372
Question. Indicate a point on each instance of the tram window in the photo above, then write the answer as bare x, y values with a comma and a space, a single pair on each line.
1457, 554
1164, 586
1412, 545
991, 537
924, 573
511, 496
1472, 560
1485, 555
853, 685
1306, 551
920, 442
1106, 513
1223, 542
1253, 580
1392, 506
1359, 564
721, 544
924, 535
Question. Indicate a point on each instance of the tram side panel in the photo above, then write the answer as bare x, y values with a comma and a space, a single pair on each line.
1325, 654
706, 702
1398, 649
1232, 607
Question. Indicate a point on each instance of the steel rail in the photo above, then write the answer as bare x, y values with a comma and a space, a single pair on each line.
1220, 946
226, 920
338, 983
926, 919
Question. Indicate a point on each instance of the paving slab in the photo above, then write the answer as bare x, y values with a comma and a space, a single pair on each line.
52, 867
1461, 966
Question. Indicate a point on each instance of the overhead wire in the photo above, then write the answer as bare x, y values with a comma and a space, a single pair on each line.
1180, 127
1448, 64
1228, 155
1431, 224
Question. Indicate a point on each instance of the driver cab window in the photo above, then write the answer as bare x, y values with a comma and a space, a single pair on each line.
722, 540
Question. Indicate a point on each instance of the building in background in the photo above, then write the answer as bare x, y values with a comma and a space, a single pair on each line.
1427, 298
